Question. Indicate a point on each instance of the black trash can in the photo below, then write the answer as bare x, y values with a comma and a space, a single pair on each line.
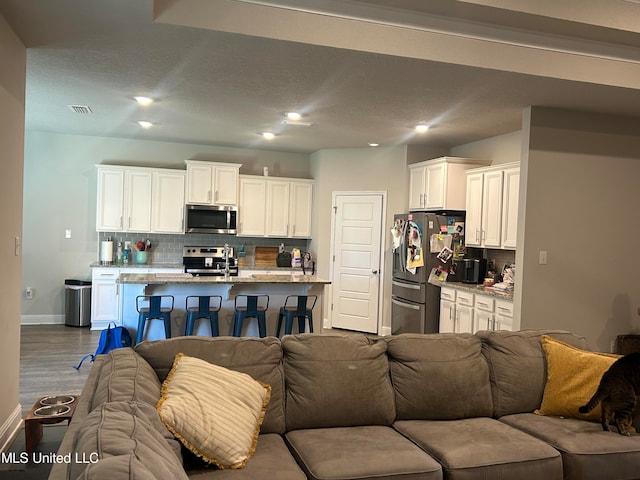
77, 303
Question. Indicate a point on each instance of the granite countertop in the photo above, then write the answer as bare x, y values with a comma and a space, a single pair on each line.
139, 265
180, 278
470, 287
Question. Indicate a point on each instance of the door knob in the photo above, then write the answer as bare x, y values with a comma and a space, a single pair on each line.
374, 271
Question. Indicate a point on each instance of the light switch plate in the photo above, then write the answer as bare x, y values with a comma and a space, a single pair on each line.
67, 233
542, 257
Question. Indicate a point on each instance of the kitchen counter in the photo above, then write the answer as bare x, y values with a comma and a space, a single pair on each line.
139, 265
180, 285
470, 287
185, 278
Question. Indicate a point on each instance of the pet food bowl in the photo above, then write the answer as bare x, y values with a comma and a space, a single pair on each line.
57, 400
52, 410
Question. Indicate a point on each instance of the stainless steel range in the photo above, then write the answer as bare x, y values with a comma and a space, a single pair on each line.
210, 261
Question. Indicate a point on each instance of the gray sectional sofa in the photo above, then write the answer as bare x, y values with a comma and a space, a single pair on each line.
448, 406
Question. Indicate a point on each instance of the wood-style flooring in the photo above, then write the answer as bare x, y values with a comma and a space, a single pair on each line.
47, 356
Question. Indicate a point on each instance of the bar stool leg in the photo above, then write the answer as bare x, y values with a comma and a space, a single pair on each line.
310, 317
262, 325
167, 324
237, 325
213, 319
140, 332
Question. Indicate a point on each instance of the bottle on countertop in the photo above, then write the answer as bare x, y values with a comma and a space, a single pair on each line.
119, 254
125, 256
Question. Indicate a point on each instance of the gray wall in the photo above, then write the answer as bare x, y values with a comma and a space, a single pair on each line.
60, 193
358, 169
580, 203
12, 87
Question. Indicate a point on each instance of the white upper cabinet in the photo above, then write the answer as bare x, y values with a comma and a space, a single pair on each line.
440, 183
211, 183
491, 215
511, 191
275, 207
137, 204
139, 199
110, 201
251, 208
301, 200
167, 210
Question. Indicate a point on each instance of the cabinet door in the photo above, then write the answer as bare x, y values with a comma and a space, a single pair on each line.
168, 203
300, 202
511, 188
464, 320
483, 320
225, 185
252, 208
199, 184
492, 209
138, 201
110, 201
447, 316
473, 220
105, 299
436, 185
277, 208
416, 187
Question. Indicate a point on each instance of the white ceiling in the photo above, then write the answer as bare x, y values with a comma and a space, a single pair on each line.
360, 71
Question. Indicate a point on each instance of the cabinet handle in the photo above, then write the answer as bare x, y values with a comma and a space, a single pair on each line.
215, 196
208, 196
293, 230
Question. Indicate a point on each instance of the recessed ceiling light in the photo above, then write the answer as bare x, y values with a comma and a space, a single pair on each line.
422, 128
144, 101
293, 115
374, 144
145, 124
268, 135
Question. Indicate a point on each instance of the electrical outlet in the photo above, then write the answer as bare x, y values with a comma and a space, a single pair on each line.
28, 293
67, 233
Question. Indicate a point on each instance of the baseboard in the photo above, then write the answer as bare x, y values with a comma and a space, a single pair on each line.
384, 331
42, 320
10, 428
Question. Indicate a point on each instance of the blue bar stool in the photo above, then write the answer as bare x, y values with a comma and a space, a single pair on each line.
251, 306
154, 307
207, 307
296, 306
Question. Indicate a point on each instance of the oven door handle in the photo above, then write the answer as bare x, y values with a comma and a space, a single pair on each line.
405, 305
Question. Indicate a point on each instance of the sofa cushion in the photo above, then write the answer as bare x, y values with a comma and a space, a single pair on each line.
131, 429
439, 377
336, 380
483, 448
573, 376
272, 460
360, 453
259, 357
517, 367
588, 453
122, 467
126, 376
215, 412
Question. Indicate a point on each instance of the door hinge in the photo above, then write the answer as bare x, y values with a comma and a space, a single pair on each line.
335, 209
332, 307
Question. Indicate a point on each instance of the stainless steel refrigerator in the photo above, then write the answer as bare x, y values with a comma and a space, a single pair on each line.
415, 303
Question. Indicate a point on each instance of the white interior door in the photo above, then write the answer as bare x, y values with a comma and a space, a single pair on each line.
356, 248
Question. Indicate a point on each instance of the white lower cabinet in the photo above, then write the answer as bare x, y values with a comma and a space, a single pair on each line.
465, 311
105, 293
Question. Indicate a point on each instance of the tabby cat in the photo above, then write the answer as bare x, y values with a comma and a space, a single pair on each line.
618, 391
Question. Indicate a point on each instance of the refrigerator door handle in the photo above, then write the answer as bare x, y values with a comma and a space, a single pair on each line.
405, 305
412, 286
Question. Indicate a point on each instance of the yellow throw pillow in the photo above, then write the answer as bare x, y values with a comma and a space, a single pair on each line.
573, 376
215, 412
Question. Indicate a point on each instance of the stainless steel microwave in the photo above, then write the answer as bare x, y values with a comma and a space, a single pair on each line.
211, 219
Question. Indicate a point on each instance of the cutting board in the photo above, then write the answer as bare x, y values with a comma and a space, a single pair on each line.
266, 256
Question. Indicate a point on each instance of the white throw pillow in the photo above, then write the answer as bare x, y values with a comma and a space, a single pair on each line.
215, 412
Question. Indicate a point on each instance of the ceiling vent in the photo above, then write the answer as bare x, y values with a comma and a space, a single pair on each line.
79, 109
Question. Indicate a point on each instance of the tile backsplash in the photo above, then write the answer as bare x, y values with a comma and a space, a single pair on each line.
168, 248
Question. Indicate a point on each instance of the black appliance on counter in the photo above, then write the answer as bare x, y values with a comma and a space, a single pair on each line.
210, 261
415, 303
469, 270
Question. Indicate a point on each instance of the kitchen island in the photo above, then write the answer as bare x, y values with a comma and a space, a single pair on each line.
181, 285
